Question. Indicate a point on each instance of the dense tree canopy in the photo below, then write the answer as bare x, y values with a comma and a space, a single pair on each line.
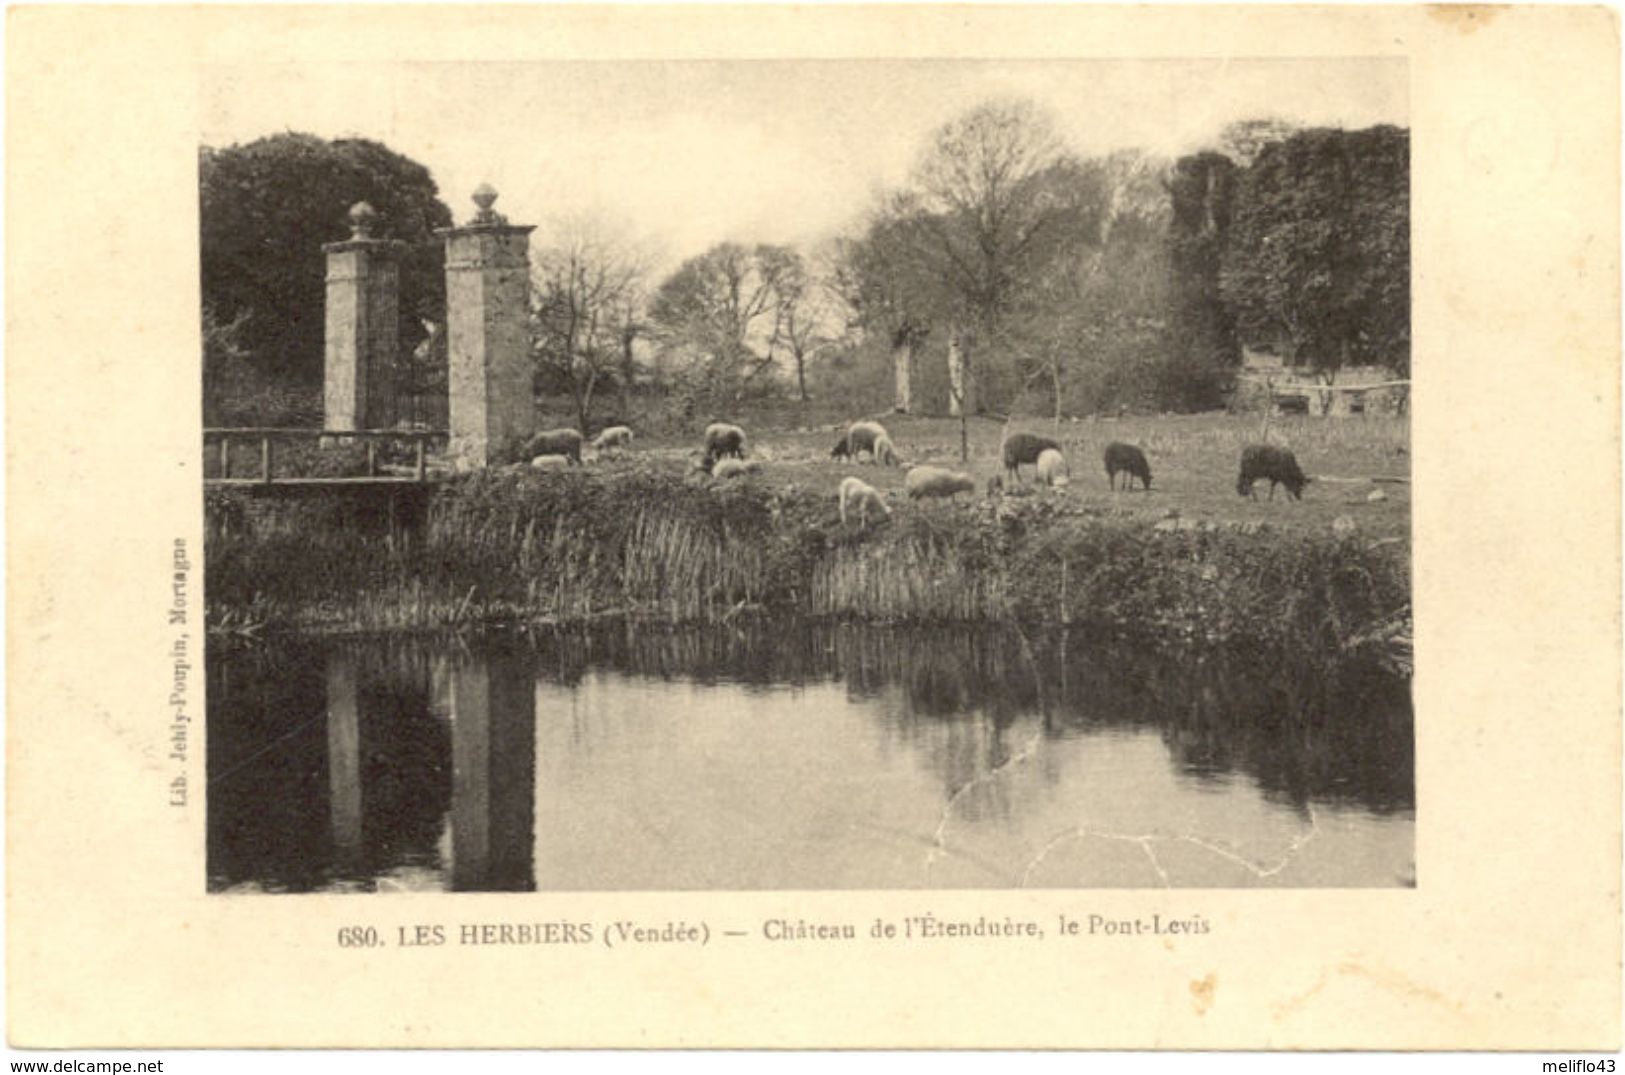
1243, 140
885, 276
1092, 311
1318, 258
266, 209
1203, 348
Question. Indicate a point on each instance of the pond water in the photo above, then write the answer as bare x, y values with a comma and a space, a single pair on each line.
798, 756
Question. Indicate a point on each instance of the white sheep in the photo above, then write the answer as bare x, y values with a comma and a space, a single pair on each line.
733, 468
1052, 468
861, 437
859, 494
922, 482
554, 442
613, 437
550, 462
885, 452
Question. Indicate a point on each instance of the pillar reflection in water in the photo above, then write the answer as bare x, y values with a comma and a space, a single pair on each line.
344, 758
492, 704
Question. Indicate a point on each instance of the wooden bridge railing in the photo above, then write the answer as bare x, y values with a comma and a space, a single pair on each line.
267, 436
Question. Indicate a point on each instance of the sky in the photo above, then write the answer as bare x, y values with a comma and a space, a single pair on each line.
685, 154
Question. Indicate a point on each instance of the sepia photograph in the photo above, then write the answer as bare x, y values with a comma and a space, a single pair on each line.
849, 527
800, 475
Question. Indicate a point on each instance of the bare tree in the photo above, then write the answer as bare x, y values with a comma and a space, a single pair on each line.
987, 201
586, 284
720, 313
808, 318
630, 324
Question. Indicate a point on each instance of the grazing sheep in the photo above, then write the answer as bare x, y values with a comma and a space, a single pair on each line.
550, 462
934, 481
1260, 461
723, 439
859, 494
842, 450
885, 452
613, 437
1129, 461
1022, 448
724, 469
861, 437
1052, 468
565, 442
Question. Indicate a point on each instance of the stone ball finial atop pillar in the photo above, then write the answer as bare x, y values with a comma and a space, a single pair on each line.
362, 218
361, 328
485, 196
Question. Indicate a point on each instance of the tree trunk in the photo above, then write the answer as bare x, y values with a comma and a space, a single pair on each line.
1055, 372
626, 376
801, 376
583, 394
1327, 377
902, 357
961, 390
961, 379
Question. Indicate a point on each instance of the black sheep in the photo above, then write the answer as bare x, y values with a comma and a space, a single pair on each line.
1260, 461
1022, 448
722, 439
1129, 461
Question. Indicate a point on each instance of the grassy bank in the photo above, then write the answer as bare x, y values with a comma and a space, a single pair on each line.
1193, 458
641, 537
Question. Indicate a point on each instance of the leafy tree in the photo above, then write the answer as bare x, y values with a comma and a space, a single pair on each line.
1319, 253
1203, 348
1095, 281
237, 393
886, 280
266, 209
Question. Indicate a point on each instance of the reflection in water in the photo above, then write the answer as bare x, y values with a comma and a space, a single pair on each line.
818, 756
491, 703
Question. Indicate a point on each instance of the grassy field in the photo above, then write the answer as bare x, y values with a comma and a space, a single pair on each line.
646, 534
1194, 464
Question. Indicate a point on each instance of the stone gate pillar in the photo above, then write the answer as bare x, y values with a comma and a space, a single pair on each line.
363, 327
489, 379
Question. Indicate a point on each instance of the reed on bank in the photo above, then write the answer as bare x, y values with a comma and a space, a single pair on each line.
519, 544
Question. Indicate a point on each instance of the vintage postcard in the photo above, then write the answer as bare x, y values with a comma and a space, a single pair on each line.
782, 527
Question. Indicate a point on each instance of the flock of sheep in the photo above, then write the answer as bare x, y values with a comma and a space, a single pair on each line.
724, 457
1259, 462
